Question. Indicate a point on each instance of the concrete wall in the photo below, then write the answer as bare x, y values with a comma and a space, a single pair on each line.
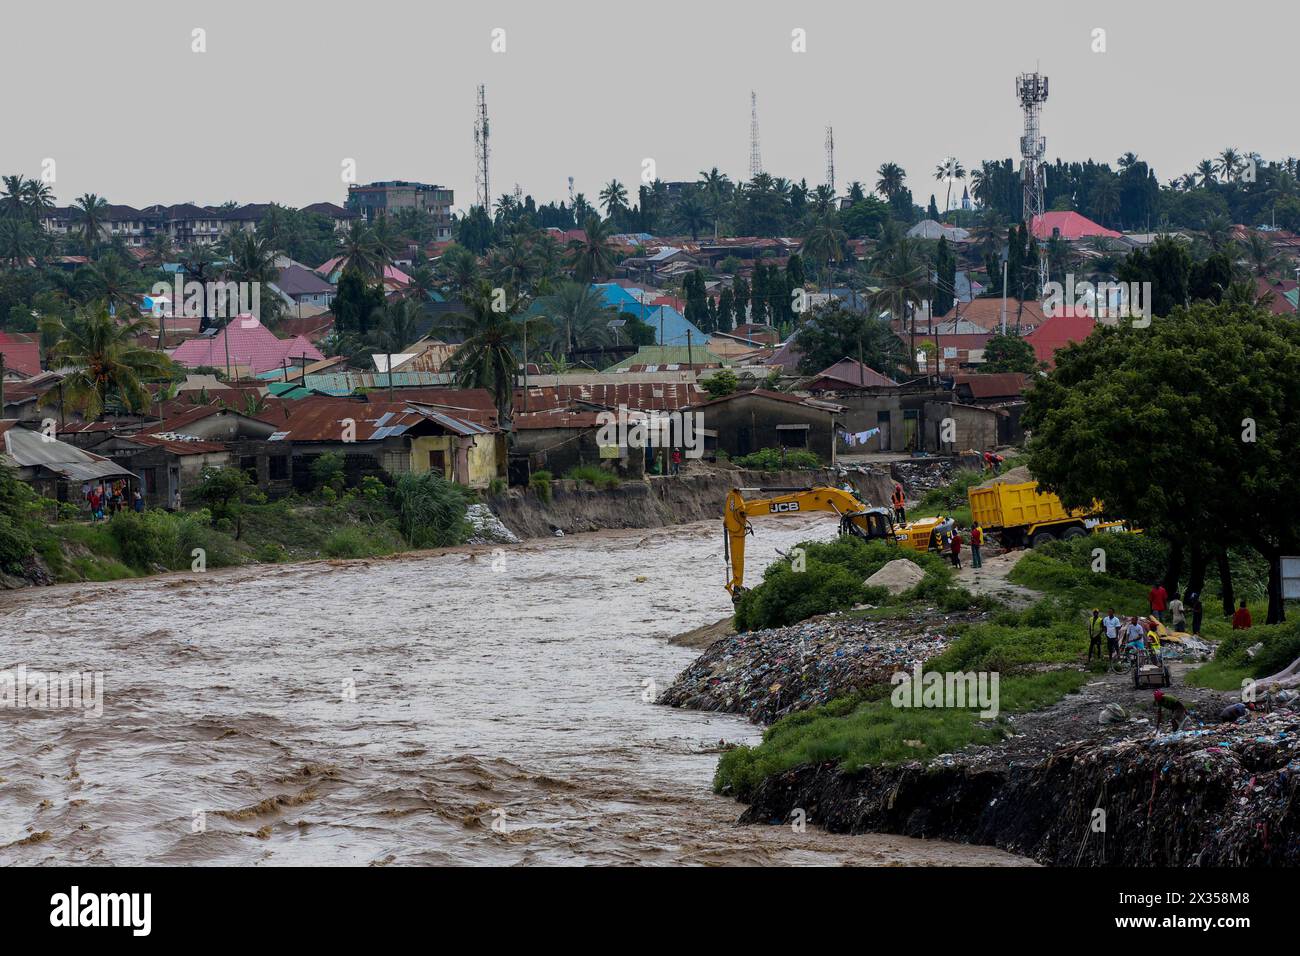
748, 424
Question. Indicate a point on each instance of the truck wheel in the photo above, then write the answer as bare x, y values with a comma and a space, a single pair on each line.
1069, 534
1042, 538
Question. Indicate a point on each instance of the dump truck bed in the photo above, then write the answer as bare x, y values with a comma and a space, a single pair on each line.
1017, 506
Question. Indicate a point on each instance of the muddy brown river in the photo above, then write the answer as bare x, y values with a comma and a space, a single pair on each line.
473, 707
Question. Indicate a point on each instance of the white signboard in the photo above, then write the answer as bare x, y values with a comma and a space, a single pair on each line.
1291, 578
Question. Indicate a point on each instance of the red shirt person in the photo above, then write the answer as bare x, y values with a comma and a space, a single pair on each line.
1159, 599
1241, 621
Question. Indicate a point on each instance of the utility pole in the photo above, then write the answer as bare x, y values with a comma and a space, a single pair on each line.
690, 359
2, 385
1004, 296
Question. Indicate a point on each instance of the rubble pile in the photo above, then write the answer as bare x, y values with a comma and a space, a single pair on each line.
488, 528
768, 674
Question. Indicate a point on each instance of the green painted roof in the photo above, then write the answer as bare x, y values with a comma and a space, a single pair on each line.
668, 355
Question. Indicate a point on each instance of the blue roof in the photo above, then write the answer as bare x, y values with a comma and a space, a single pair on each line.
675, 327
617, 296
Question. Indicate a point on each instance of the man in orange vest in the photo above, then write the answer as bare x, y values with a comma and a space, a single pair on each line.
900, 509
976, 542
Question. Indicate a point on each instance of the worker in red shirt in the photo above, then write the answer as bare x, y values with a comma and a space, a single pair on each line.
1241, 620
900, 504
956, 549
976, 542
1159, 599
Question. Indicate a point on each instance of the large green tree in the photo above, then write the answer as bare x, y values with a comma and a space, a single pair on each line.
1187, 427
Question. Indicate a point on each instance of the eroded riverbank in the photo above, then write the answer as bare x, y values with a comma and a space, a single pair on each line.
393, 711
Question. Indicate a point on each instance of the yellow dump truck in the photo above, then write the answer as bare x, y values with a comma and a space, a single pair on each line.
1022, 515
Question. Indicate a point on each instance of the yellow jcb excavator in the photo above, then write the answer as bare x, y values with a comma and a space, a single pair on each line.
856, 519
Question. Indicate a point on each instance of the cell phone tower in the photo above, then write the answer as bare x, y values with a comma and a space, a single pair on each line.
1031, 90
755, 161
483, 190
830, 159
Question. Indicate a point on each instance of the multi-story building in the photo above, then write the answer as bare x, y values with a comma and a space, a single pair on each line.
390, 196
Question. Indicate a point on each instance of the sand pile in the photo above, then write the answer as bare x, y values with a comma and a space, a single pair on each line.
896, 576
1016, 476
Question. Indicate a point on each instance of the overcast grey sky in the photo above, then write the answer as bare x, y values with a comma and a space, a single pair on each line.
286, 90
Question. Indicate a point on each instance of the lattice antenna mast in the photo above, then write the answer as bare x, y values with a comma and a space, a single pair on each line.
1031, 90
830, 159
755, 160
482, 186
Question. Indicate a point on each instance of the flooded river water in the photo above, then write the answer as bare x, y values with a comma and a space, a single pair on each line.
472, 707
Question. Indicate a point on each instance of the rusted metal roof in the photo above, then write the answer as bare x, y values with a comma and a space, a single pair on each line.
645, 396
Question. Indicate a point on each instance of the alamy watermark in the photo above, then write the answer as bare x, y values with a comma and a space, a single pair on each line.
955, 689
53, 690
215, 300
654, 429
1108, 302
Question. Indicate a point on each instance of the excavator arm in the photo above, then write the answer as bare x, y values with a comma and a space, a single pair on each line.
855, 518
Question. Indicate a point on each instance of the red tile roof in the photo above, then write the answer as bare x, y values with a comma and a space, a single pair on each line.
1070, 225
992, 384
854, 374
1057, 333
22, 352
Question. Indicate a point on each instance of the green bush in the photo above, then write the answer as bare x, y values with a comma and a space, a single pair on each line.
777, 459
1137, 557
327, 472
272, 552
593, 475
348, 543
497, 486
787, 596
16, 545
540, 482
431, 510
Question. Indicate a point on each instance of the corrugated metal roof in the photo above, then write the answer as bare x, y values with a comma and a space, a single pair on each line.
29, 449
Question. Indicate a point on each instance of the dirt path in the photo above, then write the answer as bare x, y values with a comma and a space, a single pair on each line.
991, 579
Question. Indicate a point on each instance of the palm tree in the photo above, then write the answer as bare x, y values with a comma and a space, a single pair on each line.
93, 212
1105, 199
386, 245
160, 249
252, 260
40, 199
1128, 160
16, 241
398, 327
892, 176
13, 203
1260, 254
459, 269
715, 185
823, 199
105, 361
824, 244
1205, 171
1228, 163
486, 359
199, 264
592, 258
903, 281
1218, 232
357, 248
692, 215
613, 197
514, 265
948, 170
578, 316
111, 282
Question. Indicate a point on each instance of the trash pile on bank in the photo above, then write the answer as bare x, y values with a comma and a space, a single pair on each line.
488, 528
1220, 795
768, 674
924, 475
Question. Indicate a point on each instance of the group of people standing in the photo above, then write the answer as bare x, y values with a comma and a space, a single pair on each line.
107, 499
